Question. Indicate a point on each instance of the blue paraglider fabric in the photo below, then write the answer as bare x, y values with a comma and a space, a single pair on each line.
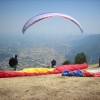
74, 73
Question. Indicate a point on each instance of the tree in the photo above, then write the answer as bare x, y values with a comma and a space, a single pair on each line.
66, 62
80, 58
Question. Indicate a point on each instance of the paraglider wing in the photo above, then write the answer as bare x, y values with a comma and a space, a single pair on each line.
39, 17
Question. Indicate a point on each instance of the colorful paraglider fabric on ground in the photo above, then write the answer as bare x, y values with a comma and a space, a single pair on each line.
84, 73
42, 16
42, 71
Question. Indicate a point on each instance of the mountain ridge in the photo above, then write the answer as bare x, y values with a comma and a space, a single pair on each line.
89, 45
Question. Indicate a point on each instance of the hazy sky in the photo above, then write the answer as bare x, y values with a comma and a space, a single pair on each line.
15, 13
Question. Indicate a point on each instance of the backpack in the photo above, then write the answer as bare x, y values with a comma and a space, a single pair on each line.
13, 62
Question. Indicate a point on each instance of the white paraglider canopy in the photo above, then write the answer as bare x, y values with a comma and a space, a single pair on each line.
42, 16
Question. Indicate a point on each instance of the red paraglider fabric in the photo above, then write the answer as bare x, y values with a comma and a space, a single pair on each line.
70, 67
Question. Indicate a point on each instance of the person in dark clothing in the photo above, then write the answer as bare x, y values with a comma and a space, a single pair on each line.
53, 63
13, 62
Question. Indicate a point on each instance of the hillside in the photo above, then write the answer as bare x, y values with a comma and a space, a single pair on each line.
89, 45
51, 87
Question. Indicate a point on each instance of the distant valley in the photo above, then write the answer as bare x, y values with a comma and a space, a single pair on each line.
39, 50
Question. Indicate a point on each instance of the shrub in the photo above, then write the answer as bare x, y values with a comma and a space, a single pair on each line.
80, 58
66, 62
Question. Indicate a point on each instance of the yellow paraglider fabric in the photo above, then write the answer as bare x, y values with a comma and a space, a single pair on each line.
37, 70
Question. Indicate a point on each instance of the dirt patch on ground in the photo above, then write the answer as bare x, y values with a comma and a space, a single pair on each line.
51, 87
